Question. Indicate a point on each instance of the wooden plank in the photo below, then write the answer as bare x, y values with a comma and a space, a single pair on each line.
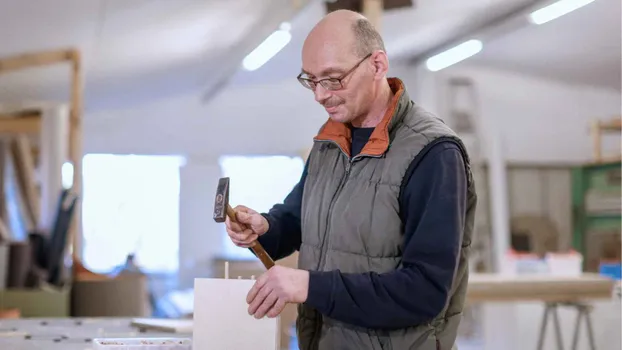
220, 312
3, 168
75, 149
26, 125
372, 9
30, 60
496, 287
25, 171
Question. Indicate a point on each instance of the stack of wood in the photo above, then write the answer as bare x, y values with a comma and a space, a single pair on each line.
36, 243
38, 217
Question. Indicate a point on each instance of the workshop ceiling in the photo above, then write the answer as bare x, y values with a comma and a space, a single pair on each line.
582, 47
139, 47
144, 49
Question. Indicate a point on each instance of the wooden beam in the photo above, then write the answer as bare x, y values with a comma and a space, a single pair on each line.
26, 125
25, 171
30, 60
75, 149
372, 10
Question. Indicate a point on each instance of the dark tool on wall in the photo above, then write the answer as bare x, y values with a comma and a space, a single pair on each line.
222, 209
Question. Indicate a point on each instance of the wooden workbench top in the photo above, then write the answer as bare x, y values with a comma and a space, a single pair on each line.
515, 288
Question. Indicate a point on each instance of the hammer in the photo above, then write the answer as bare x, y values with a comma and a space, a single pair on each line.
222, 209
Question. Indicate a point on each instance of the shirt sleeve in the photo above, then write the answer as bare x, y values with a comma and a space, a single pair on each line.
433, 207
284, 234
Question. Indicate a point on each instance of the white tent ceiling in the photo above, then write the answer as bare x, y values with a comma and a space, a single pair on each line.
143, 49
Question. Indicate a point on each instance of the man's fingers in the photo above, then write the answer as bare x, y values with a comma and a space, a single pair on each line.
257, 286
245, 236
259, 299
234, 226
241, 208
278, 307
243, 244
266, 305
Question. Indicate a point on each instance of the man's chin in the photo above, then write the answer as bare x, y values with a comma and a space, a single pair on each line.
338, 117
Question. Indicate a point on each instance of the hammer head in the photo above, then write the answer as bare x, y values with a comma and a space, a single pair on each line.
222, 200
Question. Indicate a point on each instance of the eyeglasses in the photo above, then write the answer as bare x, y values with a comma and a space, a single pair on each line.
329, 83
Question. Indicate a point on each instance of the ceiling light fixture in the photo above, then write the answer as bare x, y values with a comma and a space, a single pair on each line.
556, 10
268, 48
454, 55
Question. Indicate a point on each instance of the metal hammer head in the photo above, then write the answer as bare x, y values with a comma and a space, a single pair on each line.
222, 200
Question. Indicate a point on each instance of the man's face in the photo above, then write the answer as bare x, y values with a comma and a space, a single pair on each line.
331, 61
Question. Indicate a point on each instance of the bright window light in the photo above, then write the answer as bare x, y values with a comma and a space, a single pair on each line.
269, 181
556, 10
67, 175
268, 48
131, 206
454, 55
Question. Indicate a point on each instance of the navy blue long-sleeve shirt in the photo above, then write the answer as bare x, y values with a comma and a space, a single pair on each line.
432, 207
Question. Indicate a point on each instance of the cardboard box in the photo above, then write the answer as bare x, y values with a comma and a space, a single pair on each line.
37, 302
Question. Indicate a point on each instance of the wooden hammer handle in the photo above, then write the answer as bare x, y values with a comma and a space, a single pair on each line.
257, 248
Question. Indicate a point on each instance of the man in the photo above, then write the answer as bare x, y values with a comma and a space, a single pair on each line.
382, 216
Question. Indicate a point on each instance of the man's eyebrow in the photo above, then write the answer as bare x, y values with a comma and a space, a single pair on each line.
325, 72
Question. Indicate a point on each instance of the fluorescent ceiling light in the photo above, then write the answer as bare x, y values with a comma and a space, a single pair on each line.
268, 48
556, 10
454, 55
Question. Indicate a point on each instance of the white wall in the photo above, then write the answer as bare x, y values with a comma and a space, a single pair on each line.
538, 120
239, 121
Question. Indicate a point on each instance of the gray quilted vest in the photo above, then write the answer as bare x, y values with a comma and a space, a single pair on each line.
350, 221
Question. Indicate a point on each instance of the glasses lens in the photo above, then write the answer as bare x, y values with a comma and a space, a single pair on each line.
331, 84
307, 83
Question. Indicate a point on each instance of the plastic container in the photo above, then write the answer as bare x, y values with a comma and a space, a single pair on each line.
565, 264
142, 343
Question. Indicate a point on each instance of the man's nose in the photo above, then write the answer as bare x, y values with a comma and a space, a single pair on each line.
321, 93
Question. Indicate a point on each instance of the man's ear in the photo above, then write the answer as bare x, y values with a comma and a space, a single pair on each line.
380, 62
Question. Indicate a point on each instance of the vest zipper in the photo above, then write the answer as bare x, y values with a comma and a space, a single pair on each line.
343, 180
326, 244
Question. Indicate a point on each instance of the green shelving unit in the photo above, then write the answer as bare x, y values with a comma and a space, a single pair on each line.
597, 212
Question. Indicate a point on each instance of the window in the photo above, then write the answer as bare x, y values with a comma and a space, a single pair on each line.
131, 206
258, 182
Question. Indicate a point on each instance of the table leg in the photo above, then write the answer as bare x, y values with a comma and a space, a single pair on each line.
577, 328
545, 318
590, 330
558, 329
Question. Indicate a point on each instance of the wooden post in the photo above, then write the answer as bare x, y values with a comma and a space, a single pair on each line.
75, 149
596, 147
372, 9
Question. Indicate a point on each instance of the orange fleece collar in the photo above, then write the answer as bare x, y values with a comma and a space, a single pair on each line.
378, 141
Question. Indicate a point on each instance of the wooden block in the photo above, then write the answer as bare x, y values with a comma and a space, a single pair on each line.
221, 319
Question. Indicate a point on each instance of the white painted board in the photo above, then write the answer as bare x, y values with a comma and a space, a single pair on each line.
221, 319
164, 325
142, 344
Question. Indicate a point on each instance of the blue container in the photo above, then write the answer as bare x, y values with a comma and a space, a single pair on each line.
613, 270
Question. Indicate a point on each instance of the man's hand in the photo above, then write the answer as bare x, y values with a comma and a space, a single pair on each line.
275, 288
251, 226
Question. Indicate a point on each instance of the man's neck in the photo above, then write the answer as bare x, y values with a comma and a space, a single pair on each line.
378, 108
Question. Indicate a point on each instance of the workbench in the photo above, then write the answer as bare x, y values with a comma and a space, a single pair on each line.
555, 292
69, 333
76, 334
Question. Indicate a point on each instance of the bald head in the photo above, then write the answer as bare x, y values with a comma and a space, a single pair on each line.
348, 28
345, 64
